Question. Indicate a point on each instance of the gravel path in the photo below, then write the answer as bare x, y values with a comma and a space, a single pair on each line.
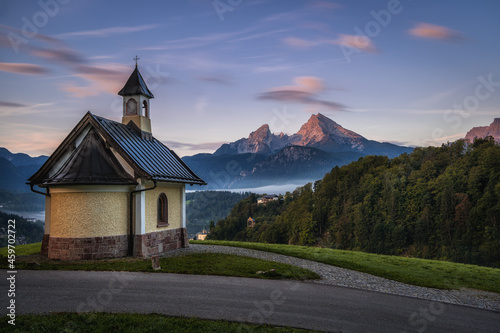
348, 278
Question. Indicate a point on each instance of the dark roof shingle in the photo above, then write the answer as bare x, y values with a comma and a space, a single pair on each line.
135, 86
91, 163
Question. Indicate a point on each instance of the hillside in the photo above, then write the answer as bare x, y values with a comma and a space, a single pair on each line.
16, 169
202, 207
435, 203
26, 231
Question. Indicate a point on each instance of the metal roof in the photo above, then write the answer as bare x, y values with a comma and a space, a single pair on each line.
91, 164
135, 85
150, 155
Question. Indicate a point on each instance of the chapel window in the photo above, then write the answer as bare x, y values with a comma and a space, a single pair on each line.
162, 210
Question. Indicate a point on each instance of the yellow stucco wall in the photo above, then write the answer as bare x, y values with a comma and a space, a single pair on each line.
174, 197
89, 214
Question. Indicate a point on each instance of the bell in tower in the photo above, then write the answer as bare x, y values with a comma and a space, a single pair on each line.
136, 101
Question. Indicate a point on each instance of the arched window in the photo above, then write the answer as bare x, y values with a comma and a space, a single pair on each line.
145, 110
131, 106
162, 210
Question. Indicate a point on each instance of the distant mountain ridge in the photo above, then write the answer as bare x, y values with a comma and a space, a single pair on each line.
16, 168
318, 132
483, 131
264, 158
21, 159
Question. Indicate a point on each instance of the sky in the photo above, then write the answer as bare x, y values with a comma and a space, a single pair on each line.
410, 72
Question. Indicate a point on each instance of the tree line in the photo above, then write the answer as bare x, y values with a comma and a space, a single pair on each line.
435, 203
205, 206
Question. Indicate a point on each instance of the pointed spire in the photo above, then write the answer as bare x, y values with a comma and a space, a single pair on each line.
135, 84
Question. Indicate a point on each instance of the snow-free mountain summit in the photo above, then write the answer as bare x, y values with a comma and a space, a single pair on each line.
319, 132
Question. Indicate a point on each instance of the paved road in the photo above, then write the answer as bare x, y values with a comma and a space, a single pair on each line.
298, 304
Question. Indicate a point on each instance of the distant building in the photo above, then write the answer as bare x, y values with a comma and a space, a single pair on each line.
112, 189
201, 235
266, 198
250, 223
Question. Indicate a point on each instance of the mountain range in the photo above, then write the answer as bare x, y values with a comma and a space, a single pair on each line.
265, 158
318, 132
16, 168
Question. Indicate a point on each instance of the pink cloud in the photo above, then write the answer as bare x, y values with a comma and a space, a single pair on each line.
101, 78
432, 31
304, 91
361, 43
307, 84
22, 68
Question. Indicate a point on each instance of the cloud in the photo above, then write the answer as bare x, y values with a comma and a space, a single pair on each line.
106, 32
298, 42
432, 31
283, 17
361, 43
59, 55
193, 146
214, 78
107, 77
260, 35
22, 68
326, 5
11, 104
304, 91
201, 105
307, 84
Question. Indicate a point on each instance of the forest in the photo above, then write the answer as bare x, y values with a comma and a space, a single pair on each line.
25, 231
205, 206
436, 203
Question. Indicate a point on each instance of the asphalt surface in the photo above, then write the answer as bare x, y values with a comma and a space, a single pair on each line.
275, 302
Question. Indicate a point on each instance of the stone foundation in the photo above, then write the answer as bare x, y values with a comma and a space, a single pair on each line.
45, 245
87, 248
160, 241
113, 246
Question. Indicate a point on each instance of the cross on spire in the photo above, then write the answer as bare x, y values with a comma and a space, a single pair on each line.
136, 58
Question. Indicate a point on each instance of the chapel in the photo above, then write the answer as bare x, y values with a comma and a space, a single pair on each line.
112, 189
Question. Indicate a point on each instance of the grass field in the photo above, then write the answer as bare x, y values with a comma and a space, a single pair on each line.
194, 263
23, 250
106, 322
420, 272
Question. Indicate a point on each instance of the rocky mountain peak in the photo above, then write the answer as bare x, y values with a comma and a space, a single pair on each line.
262, 132
483, 131
320, 128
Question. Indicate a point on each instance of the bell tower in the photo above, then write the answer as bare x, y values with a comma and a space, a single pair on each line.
136, 101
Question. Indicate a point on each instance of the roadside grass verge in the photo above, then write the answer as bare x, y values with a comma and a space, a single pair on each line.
122, 322
420, 272
23, 250
192, 263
